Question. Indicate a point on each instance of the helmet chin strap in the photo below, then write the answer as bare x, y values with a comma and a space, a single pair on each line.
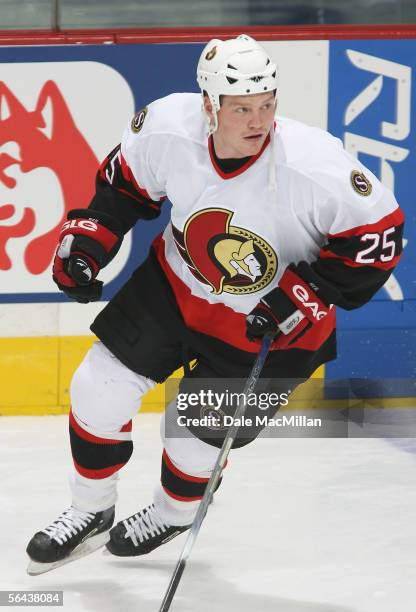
212, 124
271, 178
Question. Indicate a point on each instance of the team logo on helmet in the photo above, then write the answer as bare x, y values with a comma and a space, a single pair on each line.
361, 183
138, 120
211, 53
229, 259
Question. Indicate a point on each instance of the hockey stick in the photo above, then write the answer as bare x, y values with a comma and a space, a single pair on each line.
216, 473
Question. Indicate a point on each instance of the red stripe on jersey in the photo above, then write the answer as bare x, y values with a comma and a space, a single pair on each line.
101, 169
178, 472
381, 265
180, 497
222, 322
391, 220
129, 176
118, 163
127, 427
250, 162
98, 474
89, 437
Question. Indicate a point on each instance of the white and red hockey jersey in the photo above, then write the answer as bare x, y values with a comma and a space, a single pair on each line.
233, 234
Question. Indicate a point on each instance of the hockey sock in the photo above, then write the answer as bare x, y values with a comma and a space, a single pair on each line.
99, 457
179, 485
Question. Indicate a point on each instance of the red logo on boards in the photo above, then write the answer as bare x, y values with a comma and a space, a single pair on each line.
40, 147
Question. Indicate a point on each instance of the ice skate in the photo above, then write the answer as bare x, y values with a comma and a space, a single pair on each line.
141, 533
73, 535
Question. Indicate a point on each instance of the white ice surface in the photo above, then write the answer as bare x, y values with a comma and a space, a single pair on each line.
299, 525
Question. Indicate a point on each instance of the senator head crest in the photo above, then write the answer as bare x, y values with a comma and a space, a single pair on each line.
228, 258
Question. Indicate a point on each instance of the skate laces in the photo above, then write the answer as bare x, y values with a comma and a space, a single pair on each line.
143, 525
69, 523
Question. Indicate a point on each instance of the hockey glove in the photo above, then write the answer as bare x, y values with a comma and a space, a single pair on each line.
88, 241
288, 310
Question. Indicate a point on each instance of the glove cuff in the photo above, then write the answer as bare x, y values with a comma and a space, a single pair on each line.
279, 304
91, 235
302, 296
103, 218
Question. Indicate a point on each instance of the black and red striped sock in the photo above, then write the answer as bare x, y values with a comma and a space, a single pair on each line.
179, 485
95, 457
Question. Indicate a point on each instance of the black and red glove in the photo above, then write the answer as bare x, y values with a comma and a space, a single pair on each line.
88, 241
289, 310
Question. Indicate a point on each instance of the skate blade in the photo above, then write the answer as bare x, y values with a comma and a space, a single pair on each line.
85, 548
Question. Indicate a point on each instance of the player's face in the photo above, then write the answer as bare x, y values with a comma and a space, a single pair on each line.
243, 124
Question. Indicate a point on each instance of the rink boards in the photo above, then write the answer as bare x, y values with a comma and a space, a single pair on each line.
63, 108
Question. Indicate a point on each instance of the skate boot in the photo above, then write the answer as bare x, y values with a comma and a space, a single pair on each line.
73, 535
141, 533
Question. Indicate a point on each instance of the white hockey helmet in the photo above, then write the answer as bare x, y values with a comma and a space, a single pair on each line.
235, 67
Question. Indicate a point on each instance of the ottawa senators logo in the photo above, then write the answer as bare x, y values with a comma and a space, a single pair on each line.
138, 120
228, 258
360, 183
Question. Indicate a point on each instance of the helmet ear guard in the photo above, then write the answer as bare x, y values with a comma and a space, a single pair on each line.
236, 67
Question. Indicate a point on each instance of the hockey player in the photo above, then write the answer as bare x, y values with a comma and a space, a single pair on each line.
272, 224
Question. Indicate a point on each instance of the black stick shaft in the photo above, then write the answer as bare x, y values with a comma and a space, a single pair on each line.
216, 474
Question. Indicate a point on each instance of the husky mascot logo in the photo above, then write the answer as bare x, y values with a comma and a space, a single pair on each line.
46, 168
